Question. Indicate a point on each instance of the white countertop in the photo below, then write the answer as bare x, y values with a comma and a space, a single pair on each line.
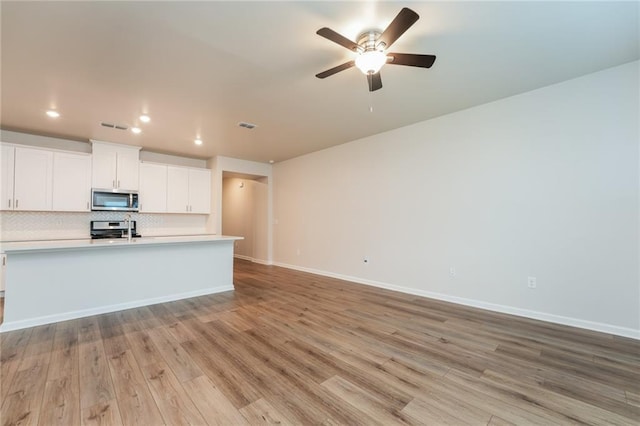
25, 246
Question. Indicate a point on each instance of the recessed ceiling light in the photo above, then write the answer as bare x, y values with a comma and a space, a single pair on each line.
136, 130
271, 161
53, 114
145, 118
198, 141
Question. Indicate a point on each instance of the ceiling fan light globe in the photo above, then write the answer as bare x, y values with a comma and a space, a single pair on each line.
371, 61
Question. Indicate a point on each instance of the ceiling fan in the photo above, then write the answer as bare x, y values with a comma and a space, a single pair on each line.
371, 49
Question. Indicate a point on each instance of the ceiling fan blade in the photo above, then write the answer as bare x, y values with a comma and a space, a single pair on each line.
401, 23
332, 71
375, 81
412, 60
329, 34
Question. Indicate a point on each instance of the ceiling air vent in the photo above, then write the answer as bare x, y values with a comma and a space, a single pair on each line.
114, 126
247, 125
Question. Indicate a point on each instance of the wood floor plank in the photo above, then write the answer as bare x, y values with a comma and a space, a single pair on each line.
104, 413
169, 395
174, 355
212, 403
135, 402
513, 406
88, 330
633, 398
22, 406
572, 408
61, 401
289, 347
12, 346
143, 348
497, 421
64, 357
371, 407
96, 387
420, 411
261, 412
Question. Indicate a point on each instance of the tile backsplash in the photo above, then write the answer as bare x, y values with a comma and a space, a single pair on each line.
29, 226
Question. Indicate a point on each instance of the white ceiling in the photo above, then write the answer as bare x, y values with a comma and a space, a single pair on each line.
199, 68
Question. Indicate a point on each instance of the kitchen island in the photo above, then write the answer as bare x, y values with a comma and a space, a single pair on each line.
51, 281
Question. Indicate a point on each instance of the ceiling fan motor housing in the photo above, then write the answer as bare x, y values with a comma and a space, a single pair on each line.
367, 41
370, 53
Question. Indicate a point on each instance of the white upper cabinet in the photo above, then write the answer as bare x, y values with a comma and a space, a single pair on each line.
128, 169
153, 188
177, 189
188, 190
200, 191
7, 158
71, 182
33, 186
115, 166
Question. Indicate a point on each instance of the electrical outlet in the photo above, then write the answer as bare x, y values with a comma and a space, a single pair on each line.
452, 271
532, 282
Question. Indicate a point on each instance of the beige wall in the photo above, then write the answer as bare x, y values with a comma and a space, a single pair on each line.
244, 213
543, 184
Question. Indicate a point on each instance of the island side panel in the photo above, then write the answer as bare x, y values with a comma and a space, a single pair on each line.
54, 285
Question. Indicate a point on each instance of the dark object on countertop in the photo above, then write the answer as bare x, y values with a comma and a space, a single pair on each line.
105, 229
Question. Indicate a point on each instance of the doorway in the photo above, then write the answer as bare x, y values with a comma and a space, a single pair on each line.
244, 214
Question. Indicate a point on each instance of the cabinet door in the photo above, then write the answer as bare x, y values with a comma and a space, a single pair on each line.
33, 179
128, 164
200, 191
177, 189
103, 167
7, 155
71, 182
153, 188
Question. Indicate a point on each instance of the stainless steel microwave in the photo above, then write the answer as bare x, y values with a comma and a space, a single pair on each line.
114, 200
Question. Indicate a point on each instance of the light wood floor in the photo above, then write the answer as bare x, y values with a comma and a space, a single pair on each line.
293, 348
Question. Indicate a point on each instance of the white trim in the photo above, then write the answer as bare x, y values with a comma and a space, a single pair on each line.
251, 259
114, 144
541, 316
16, 325
43, 148
262, 262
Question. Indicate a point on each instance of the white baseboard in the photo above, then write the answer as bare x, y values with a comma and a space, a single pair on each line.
542, 316
252, 259
16, 325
